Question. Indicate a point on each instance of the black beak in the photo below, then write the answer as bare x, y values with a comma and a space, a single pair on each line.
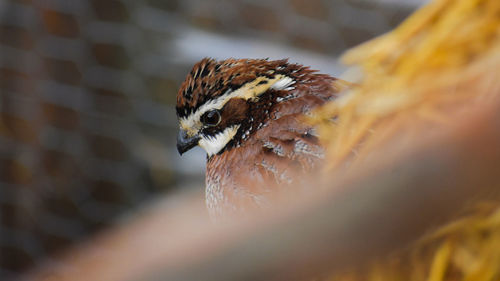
185, 143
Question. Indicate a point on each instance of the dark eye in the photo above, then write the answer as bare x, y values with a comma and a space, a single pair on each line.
211, 118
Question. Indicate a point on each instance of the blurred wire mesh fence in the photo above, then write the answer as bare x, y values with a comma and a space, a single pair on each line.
87, 119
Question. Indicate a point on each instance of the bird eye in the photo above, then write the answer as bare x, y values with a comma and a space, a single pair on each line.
211, 118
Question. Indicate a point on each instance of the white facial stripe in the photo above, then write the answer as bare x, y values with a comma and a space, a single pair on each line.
250, 90
283, 83
213, 145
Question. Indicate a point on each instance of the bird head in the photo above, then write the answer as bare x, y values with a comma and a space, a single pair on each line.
221, 103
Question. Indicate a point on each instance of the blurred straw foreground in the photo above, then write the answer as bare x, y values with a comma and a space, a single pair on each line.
441, 61
435, 69
419, 132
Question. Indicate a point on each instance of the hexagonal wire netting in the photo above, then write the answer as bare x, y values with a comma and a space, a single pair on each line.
87, 119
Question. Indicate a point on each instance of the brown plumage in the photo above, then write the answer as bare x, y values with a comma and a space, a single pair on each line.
248, 115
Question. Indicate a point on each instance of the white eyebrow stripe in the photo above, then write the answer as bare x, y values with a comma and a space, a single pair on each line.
193, 118
283, 83
250, 90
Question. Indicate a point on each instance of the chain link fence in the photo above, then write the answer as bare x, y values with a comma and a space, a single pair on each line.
87, 119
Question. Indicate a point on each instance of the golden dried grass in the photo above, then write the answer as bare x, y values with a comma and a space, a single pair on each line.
466, 249
442, 62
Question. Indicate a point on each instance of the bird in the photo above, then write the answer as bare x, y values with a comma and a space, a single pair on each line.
249, 117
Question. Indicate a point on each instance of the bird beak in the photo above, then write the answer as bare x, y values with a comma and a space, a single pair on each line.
185, 143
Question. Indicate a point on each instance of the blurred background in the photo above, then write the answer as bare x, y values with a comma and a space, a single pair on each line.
87, 96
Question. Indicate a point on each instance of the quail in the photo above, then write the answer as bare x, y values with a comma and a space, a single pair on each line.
248, 115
